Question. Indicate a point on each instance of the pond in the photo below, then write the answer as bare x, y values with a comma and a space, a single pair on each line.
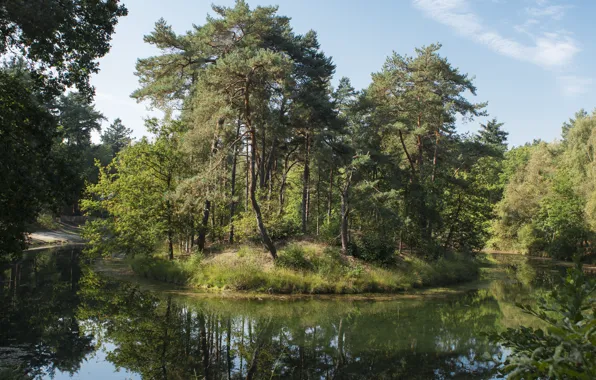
61, 320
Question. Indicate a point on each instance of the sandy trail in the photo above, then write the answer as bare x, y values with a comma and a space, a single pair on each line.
66, 234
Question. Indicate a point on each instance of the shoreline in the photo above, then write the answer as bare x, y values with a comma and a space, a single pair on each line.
117, 269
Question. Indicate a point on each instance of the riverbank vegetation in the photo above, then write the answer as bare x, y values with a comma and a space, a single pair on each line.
304, 268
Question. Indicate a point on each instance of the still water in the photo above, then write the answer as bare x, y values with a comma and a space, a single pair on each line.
60, 320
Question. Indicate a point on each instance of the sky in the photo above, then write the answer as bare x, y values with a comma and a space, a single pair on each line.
532, 60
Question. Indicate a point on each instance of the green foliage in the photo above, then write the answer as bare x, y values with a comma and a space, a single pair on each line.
61, 39
374, 249
26, 133
116, 137
160, 269
134, 194
47, 220
548, 196
73, 154
303, 269
292, 257
566, 349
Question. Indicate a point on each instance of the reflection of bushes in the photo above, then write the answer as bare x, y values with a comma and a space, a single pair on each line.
305, 268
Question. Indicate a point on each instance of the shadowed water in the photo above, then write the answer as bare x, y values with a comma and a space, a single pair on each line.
61, 320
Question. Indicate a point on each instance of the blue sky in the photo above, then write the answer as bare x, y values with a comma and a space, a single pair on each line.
533, 60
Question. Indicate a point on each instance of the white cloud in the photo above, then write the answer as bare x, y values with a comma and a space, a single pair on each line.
549, 50
574, 85
556, 12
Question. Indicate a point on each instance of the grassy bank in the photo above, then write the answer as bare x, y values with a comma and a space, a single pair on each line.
303, 268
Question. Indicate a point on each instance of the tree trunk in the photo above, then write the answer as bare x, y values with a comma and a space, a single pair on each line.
318, 198
344, 220
192, 232
306, 185
253, 177
261, 162
284, 177
345, 211
269, 169
432, 178
207, 209
330, 196
233, 187
203, 227
246, 198
455, 218
282, 189
169, 219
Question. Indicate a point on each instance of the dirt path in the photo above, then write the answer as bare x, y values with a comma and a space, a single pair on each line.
66, 234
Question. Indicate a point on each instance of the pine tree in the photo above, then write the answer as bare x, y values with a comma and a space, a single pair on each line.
116, 136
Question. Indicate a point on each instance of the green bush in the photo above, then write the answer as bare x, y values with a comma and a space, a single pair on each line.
293, 258
176, 272
373, 249
47, 220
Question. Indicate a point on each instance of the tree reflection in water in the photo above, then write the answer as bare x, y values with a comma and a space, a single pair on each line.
164, 337
57, 314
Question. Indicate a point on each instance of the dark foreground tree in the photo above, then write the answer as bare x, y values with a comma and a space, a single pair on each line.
60, 39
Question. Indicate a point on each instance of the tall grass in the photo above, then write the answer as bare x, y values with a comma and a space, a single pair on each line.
305, 269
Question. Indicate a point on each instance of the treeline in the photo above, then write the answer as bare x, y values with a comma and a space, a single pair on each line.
549, 203
49, 50
258, 146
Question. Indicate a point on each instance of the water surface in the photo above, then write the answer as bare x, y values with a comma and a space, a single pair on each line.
60, 320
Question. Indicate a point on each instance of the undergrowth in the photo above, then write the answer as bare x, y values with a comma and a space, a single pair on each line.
304, 269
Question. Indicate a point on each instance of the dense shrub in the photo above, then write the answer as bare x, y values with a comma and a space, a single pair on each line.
373, 249
293, 258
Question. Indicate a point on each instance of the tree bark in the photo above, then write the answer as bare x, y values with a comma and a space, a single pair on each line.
455, 218
233, 187
432, 177
253, 175
318, 198
306, 185
284, 177
203, 227
403, 144
246, 198
207, 208
345, 211
169, 219
261, 162
344, 220
330, 196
